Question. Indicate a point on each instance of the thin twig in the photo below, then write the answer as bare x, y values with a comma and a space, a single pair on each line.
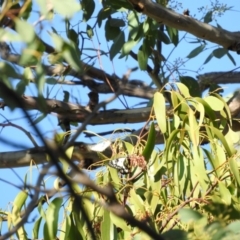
22, 129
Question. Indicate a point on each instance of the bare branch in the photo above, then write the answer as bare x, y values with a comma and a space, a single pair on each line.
78, 113
20, 128
207, 79
134, 88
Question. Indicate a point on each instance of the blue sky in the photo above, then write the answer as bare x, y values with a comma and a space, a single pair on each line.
228, 21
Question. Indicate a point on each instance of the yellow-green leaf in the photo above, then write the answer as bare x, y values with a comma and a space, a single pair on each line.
215, 103
159, 106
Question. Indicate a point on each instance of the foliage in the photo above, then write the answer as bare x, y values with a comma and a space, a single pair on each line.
186, 188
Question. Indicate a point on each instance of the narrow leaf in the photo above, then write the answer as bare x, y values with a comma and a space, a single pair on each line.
142, 59
150, 142
208, 59
234, 169
117, 45
196, 51
231, 58
173, 34
159, 106
51, 224
225, 194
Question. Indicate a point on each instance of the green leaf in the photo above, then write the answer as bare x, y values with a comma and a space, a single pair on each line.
159, 106
229, 149
18, 203
142, 59
231, 58
193, 128
192, 85
226, 108
66, 8
220, 52
208, 59
234, 169
208, 17
51, 224
68, 51
207, 108
175, 234
51, 81
150, 142
28, 74
40, 83
116, 22
46, 10
25, 30
28, 9
111, 33
137, 201
163, 37
103, 14
170, 141
187, 215
173, 34
183, 90
198, 169
107, 225
196, 51
179, 104
119, 222
215, 103
146, 26
9, 36
234, 227
89, 208
127, 47
21, 86
36, 227
65, 228
16, 213
148, 45
89, 31
66, 96
88, 9
133, 25
77, 228
73, 36
225, 194
117, 45
114, 175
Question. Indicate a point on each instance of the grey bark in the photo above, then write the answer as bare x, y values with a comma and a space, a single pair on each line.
226, 39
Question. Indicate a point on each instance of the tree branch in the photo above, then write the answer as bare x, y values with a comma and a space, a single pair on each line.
228, 40
207, 79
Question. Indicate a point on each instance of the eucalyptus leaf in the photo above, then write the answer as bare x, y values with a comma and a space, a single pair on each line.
208, 17
196, 51
50, 226
117, 45
66, 8
173, 34
160, 111
142, 59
